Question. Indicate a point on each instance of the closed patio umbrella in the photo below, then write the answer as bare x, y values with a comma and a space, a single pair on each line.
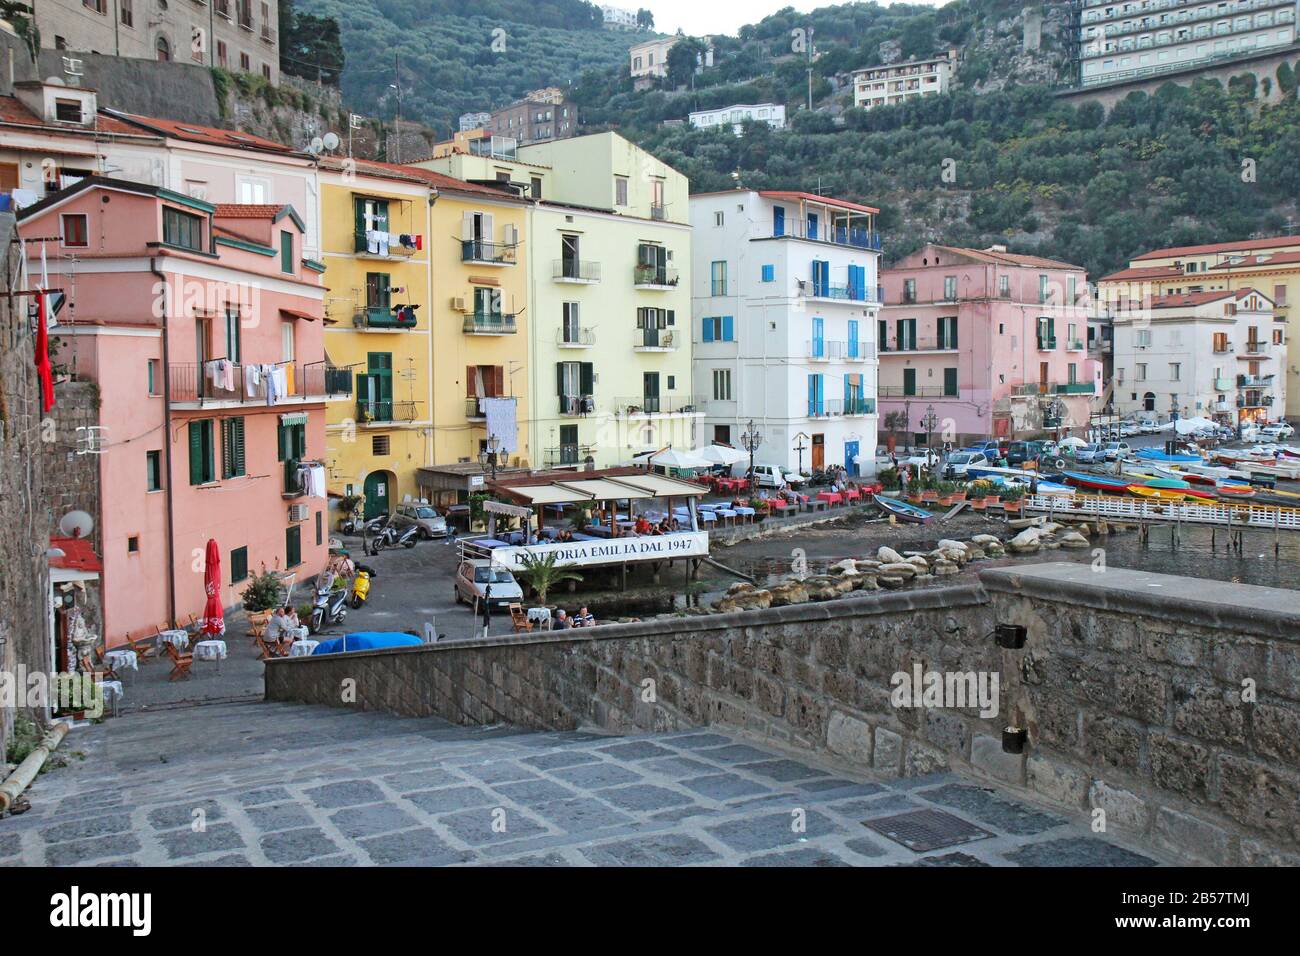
214, 622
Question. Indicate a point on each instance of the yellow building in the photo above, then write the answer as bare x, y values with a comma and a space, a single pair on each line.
1269, 265
608, 266
378, 329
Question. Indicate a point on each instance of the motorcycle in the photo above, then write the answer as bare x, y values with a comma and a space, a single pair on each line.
361, 585
329, 608
353, 523
390, 537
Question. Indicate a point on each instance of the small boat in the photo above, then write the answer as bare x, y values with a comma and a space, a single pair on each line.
975, 472
903, 511
1155, 454
1160, 494
1228, 490
1097, 482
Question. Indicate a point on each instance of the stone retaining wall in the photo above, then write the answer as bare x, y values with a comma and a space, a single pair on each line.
1130, 687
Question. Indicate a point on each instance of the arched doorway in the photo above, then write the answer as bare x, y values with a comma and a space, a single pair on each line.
1149, 402
164, 49
378, 493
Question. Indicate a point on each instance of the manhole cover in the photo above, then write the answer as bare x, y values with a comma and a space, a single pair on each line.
925, 830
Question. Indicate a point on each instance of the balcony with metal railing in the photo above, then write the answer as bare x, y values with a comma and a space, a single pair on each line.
939, 343
576, 271
191, 385
824, 350
1223, 384
338, 382
583, 338
373, 411
474, 408
657, 405
654, 277
567, 454
1254, 349
490, 323
482, 252
655, 340
571, 405
1254, 381
820, 230
859, 406
1046, 343
916, 391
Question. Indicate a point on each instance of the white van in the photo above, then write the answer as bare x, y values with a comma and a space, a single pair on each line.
774, 476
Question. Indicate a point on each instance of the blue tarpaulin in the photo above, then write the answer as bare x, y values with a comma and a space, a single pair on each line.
366, 641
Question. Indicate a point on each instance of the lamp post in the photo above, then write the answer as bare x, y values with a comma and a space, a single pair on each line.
929, 421
750, 440
800, 448
488, 456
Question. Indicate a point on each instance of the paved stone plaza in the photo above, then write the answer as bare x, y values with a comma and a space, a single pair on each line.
261, 783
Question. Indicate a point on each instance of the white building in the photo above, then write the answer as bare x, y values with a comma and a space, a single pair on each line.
784, 307
773, 114
887, 85
649, 61
1123, 40
469, 121
617, 18
1218, 355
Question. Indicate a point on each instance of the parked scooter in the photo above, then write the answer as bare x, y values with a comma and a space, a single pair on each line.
354, 522
329, 608
390, 537
361, 585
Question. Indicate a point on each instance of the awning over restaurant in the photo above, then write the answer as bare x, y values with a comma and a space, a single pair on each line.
547, 494
604, 489
662, 486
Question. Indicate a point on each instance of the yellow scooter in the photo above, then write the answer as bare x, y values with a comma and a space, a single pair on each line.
361, 585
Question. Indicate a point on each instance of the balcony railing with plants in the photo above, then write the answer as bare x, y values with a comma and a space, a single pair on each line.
483, 252
654, 340
576, 270
385, 410
577, 405
386, 317
656, 405
1254, 381
654, 276
860, 406
191, 383
490, 323
567, 454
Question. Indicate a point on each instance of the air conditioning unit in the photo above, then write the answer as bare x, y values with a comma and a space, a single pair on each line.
299, 512
459, 303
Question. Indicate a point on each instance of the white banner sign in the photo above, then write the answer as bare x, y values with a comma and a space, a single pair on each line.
660, 547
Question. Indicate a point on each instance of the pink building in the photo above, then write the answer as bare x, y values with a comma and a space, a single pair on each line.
995, 342
201, 325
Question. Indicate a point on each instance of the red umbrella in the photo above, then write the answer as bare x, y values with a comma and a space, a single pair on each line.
213, 620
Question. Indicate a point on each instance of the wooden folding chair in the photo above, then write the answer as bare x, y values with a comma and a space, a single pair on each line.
265, 650
101, 673
181, 663
519, 618
146, 648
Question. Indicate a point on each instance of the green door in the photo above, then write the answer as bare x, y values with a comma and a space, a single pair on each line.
377, 490
909, 381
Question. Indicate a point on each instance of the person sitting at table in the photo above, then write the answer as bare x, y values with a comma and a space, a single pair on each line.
562, 621
564, 535
642, 525
585, 617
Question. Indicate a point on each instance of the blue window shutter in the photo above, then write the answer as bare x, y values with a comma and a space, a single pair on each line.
812, 395
853, 338
769, 273
728, 328
821, 394
708, 329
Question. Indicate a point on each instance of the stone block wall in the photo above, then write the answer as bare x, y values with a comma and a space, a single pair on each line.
1129, 688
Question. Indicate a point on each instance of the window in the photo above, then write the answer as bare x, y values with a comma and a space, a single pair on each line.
718, 328
950, 381
909, 290
535, 187
722, 433
182, 229
98, 6
223, 56
74, 231
163, 50
253, 191
722, 384
949, 288
620, 190
266, 71
1175, 371
1042, 289
769, 273
232, 447
67, 111
1073, 373
719, 218
292, 546
1072, 284
379, 445
1004, 287
125, 13
947, 327
245, 63
379, 297
1140, 371
292, 441
153, 470
286, 252
238, 564
133, 544
153, 373
718, 277
203, 464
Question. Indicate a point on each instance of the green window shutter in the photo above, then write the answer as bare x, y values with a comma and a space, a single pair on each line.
238, 564
280, 445
300, 441
359, 212
559, 379
586, 374
196, 453
286, 251
292, 546
233, 447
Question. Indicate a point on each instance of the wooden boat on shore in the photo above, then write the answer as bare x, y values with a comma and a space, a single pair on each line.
1160, 494
1097, 482
903, 511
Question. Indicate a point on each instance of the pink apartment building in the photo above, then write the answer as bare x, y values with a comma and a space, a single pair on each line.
201, 326
995, 342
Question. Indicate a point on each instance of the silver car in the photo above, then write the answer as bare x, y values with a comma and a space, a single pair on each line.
473, 577
431, 524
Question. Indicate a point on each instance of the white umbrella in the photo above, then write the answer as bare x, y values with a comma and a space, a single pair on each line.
1073, 442
672, 458
719, 454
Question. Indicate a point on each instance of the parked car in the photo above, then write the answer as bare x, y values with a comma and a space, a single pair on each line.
1089, 453
1115, 450
774, 476
426, 518
994, 448
959, 461
1022, 453
473, 578
1275, 431
1129, 429
1148, 427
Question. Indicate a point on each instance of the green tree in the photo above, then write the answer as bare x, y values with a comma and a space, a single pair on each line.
645, 19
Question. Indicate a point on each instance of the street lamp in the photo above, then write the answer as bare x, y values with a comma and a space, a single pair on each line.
487, 457
929, 421
750, 440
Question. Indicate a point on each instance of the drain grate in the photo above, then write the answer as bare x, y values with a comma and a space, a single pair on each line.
925, 830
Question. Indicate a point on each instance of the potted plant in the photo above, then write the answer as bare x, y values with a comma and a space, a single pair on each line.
260, 597
540, 573
1012, 500
945, 490
929, 490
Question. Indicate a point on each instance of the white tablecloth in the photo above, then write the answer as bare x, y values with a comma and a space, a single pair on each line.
210, 651
177, 637
540, 615
302, 648
122, 660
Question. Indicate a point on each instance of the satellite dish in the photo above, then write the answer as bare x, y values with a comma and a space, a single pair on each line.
76, 524
331, 140
316, 145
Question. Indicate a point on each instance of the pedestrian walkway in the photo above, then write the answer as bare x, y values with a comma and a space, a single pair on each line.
259, 783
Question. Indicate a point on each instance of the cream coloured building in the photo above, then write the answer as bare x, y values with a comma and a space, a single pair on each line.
888, 85
608, 257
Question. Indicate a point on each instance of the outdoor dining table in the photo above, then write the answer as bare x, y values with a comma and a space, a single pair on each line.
112, 691
541, 616
745, 511
122, 659
852, 494
214, 651
830, 497
177, 637
816, 504
302, 648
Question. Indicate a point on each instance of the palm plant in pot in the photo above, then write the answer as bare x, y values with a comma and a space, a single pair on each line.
541, 574
260, 597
